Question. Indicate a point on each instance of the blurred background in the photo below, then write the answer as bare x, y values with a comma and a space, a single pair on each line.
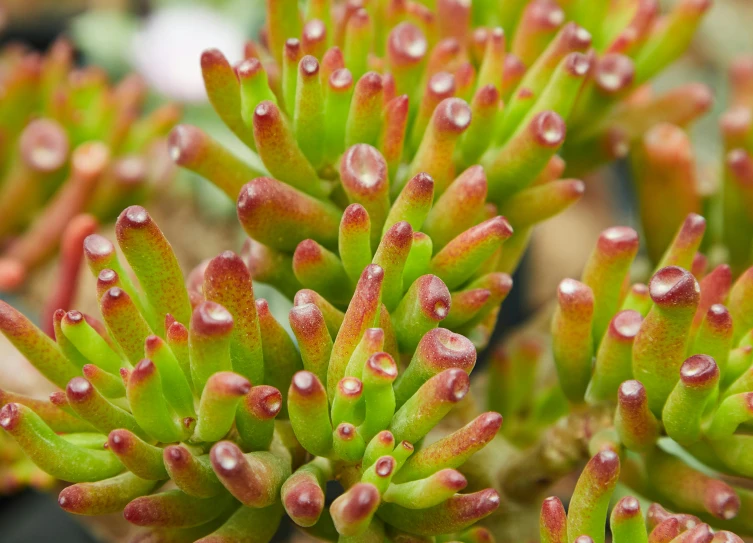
161, 40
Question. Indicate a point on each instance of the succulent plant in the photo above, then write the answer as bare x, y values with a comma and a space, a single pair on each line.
587, 513
403, 159
620, 107
346, 103
204, 388
70, 143
737, 134
658, 375
666, 168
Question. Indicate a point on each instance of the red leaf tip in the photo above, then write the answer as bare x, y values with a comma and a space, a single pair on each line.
96, 246
407, 44
626, 324
632, 393
211, 318
674, 286
350, 387
10, 414
549, 129
309, 66
382, 365
225, 456
384, 466
78, 389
